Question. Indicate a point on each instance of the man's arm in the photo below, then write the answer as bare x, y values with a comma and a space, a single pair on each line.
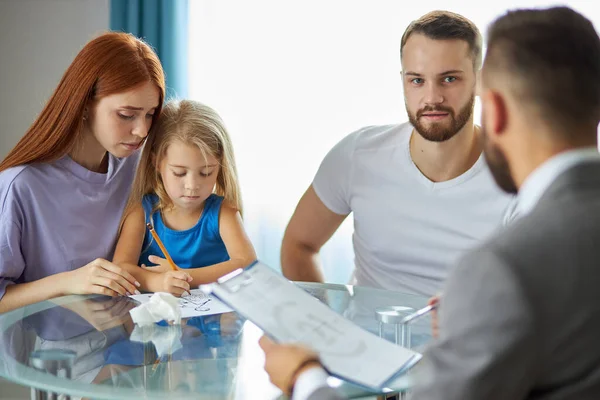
297, 371
487, 345
311, 226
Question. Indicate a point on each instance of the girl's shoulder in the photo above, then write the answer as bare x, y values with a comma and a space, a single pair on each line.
212, 210
214, 199
149, 201
150, 198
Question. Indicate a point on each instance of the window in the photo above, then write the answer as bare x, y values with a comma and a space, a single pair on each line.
290, 79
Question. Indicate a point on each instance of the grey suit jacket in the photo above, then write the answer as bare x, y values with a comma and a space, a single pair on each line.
520, 315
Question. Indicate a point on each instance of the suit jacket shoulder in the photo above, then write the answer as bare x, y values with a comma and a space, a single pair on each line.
521, 312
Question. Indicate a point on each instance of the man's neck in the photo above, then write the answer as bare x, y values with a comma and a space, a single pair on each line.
443, 161
523, 165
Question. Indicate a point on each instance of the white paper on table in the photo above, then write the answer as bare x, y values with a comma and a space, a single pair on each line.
196, 304
290, 315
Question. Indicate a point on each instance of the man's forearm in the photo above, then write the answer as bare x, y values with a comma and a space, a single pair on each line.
300, 263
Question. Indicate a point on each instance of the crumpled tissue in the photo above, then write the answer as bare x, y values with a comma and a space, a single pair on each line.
166, 339
161, 306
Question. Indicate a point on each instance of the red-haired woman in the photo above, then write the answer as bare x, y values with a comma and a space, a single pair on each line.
64, 186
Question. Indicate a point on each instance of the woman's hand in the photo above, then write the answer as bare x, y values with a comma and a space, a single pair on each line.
103, 313
100, 277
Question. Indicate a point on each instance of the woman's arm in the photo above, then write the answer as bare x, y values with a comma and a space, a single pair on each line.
24, 294
129, 247
98, 277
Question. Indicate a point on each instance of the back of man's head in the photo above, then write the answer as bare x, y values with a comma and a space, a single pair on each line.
550, 61
446, 25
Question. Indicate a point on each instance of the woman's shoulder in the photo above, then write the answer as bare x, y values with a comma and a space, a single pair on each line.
17, 178
10, 175
15, 183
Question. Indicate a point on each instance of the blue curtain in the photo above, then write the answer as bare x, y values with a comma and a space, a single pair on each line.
164, 25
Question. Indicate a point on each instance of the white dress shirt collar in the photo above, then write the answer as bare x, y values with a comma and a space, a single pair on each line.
543, 176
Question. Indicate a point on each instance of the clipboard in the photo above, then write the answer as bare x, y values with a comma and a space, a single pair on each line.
288, 314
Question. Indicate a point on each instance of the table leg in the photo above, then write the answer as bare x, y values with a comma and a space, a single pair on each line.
56, 362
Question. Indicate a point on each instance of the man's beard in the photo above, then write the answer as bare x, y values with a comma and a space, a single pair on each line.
438, 132
498, 164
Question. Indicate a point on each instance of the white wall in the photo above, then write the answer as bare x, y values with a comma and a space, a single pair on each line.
38, 40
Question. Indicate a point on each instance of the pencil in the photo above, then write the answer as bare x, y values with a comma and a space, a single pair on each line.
158, 360
162, 246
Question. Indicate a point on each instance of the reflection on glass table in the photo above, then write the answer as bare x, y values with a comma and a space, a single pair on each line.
88, 347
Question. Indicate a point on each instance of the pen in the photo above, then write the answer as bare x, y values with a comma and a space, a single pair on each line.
420, 312
162, 246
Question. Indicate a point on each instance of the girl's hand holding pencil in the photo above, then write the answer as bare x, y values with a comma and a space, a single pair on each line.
166, 280
175, 282
169, 277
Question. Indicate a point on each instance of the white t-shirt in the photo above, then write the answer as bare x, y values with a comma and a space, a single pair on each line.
408, 230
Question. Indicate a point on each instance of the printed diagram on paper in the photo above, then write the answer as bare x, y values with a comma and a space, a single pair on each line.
290, 315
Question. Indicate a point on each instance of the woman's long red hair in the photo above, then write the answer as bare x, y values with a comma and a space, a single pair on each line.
112, 63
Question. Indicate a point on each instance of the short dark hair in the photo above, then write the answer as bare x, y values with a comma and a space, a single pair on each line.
551, 60
446, 25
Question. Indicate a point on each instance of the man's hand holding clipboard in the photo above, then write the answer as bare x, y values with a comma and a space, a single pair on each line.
289, 315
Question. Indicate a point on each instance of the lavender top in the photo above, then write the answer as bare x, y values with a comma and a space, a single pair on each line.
59, 216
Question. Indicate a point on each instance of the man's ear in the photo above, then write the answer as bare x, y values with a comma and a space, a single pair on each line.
495, 113
478, 87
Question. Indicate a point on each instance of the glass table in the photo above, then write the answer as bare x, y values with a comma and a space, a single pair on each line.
82, 346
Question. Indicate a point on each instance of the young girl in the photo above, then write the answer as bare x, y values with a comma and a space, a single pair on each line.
64, 186
187, 189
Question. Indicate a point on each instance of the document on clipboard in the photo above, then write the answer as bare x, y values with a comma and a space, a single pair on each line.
290, 315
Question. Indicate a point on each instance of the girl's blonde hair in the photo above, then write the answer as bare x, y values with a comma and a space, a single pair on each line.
192, 123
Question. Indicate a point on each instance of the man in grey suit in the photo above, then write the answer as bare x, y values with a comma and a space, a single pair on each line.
520, 315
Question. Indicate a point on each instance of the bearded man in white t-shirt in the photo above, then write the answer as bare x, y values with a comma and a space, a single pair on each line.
420, 192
